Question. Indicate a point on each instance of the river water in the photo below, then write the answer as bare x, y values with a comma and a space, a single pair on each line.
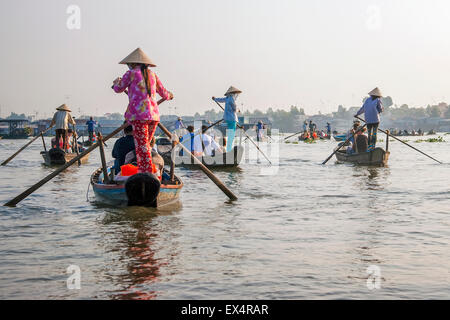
298, 231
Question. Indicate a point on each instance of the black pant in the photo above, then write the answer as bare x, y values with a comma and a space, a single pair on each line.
372, 129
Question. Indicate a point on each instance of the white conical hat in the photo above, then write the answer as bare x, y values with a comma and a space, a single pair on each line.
233, 90
138, 56
375, 92
63, 107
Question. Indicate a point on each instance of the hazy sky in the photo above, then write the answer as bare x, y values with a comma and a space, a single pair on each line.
314, 54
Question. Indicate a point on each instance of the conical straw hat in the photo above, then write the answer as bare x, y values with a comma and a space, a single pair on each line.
138, 56
233, 90
375, 92
63, 107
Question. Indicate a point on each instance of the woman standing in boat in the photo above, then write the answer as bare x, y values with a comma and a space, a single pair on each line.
142, 112
230, 114
372, 108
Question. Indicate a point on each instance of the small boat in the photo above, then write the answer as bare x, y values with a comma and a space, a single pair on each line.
376, 157
219, 160
148, 189
341, 137
57, 156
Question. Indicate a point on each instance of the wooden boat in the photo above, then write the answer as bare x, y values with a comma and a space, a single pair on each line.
376, 157
303, 138
220, 160
115, 192
341, 137
57, 156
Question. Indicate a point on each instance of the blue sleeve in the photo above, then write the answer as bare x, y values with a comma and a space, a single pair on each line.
222, 100
361, 110
380, 106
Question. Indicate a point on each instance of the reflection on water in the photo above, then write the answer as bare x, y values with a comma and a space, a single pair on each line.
308, 231
135, 238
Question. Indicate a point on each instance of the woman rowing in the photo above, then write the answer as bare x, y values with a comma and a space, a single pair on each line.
372, 108
142, 112
230, 114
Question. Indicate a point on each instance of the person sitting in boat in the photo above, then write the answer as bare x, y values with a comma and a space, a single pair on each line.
122, 147
372, 108
230, 113
361, 141
57, 144
142, 112
306, 135
204, 144
352, 131
69, 141
188, 140
61, 120
350, 148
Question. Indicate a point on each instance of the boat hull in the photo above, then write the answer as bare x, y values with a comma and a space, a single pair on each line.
377, 157
61, 159
115, 192
340, 137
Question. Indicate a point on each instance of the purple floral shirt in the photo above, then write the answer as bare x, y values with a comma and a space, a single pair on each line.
141, 106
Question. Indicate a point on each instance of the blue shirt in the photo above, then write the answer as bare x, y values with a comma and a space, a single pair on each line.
372, 109
91, 125
230, 108
260, 126
122, 147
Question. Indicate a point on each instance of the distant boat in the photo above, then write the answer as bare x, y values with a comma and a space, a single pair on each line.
377, 157
57, 156
341, 137
220, 160
17, 129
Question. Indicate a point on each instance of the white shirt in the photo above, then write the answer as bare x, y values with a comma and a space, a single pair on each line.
210, 144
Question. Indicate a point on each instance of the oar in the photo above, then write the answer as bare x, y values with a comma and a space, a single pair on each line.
26, 193
404, 142
4, 163
294, 135
346, 141
248, 137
